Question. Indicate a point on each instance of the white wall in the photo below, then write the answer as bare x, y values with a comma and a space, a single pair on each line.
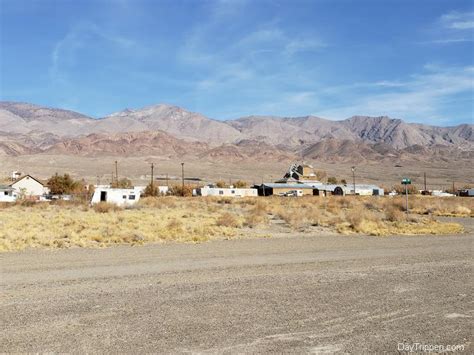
31, 187
116, 196
227, 192
7, 196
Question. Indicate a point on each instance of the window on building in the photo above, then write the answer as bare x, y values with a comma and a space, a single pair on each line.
232, 191
221, 192
131, 197
5, 193
124, 197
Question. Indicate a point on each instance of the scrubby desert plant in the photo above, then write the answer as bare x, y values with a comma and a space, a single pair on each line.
180, 190
105, 207
240, 184
228, 220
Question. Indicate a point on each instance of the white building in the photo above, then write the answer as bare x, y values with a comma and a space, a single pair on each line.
28, 187
119, 197
225, 192
7, 194
15, 175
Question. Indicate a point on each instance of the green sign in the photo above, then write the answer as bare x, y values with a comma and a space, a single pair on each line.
406, 181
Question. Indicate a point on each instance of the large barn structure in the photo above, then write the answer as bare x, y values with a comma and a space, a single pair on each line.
301, 180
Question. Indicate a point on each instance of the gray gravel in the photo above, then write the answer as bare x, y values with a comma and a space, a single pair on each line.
300, 294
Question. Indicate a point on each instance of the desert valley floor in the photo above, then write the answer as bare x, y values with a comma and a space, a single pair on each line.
440, 174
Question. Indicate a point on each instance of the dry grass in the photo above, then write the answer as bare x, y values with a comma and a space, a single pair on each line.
163, 219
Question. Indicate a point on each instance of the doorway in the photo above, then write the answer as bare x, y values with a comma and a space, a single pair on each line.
103, 196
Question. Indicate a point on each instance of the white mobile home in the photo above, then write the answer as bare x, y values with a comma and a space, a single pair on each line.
119, 197
28, 187
226, 192
7, 194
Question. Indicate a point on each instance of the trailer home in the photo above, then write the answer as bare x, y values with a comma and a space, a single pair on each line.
119, 197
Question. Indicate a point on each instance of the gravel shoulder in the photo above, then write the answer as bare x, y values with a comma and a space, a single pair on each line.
301, 294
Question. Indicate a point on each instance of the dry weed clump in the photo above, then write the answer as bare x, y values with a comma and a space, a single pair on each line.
394, 214
256, 216
228, 220
104, 207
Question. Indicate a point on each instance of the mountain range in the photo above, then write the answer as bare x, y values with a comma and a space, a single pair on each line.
170, 131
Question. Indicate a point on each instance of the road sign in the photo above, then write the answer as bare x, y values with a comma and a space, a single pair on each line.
406, 181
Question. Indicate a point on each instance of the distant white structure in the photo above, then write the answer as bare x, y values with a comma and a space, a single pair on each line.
7, 194
367, 190
29, 187
439, 193
225, 192
119, 197
15, 175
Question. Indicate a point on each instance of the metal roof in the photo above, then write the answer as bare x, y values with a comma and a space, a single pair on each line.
287, 186
6, 187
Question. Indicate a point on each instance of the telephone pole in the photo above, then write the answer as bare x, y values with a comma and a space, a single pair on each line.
182, 178
353, 179
116, 171
152, 167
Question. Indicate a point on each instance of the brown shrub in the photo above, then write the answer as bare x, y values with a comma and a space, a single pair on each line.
175, 225
180, 190
393, 214
239, 184
158, 202
228, 220
104, 207
256, 216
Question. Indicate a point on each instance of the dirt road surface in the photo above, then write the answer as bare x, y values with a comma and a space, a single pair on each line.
302, 294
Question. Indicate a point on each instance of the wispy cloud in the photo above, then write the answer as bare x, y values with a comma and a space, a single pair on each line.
423, 97
453, 28
458, 20
80, 36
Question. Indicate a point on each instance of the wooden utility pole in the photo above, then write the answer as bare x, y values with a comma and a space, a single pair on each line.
116, 171
424, 178
151, 182
182, 178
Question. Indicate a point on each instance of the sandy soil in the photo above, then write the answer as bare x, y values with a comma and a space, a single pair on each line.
440, 174
309, 293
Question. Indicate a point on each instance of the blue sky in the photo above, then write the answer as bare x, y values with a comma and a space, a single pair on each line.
226, 59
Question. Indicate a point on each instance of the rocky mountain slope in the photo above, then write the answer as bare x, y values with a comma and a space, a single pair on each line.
172, 131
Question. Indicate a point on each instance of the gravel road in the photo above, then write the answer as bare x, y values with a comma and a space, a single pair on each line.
301, 294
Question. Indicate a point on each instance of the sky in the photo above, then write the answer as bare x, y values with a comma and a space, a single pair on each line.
226, 59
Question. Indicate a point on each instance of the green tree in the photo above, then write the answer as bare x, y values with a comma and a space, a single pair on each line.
62, 184
332, 180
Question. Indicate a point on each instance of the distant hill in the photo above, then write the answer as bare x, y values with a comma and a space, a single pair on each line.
172, 131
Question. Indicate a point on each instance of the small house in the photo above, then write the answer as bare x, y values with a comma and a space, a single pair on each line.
226, 192
119, 197
366, 190
29, 187
466, 193
7, 194
282, 189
